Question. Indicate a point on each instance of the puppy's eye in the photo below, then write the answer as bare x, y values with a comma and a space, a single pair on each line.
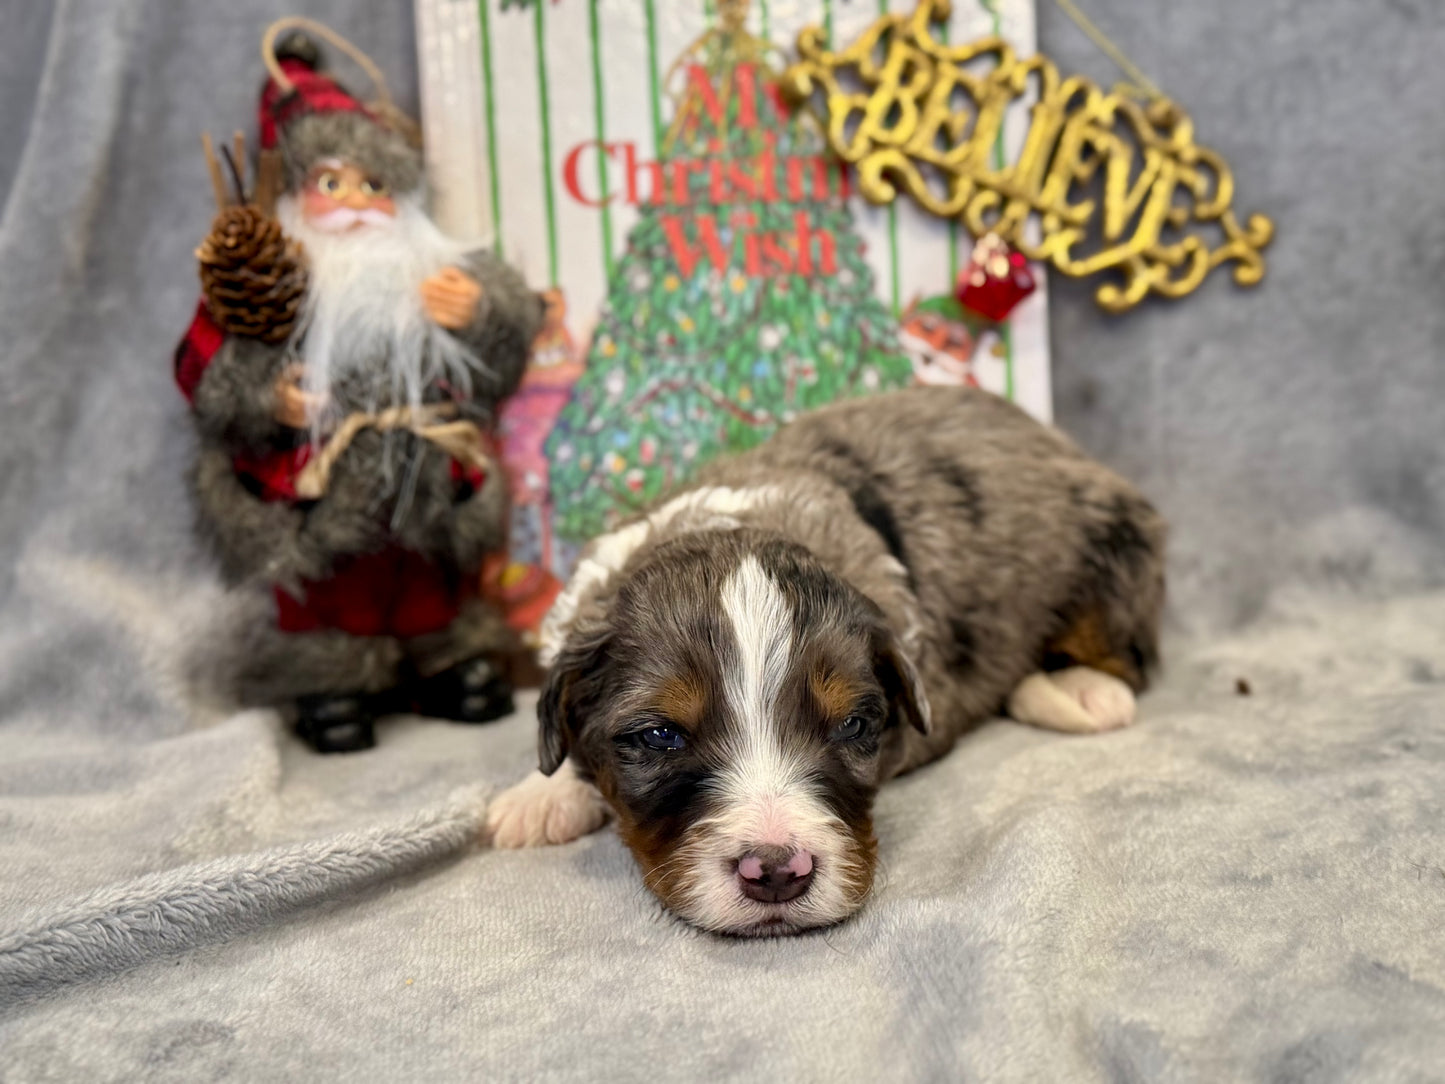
663, 739
850, 729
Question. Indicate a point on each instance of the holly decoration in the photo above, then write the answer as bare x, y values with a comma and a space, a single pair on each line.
702, 348
996, 279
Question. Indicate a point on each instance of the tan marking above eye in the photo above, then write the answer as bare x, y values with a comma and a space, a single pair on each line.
683, 700
835, 694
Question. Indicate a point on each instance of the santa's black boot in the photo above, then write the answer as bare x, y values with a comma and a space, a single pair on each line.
336, 722
475, 691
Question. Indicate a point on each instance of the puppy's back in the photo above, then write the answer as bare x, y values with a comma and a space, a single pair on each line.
1010, 538
954, 422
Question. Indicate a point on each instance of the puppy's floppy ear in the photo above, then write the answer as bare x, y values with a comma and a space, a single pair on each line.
901, 681
570, 693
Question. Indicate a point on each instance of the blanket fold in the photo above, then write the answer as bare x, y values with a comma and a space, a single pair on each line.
121, 926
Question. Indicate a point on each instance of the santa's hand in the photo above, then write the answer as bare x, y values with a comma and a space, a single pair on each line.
294, 407
450, 297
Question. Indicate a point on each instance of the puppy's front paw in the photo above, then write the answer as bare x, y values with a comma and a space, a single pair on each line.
1079, 700
544, 809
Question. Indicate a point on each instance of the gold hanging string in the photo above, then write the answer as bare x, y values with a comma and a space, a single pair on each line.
1142, 84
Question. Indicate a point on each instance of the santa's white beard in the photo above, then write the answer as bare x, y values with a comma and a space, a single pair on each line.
364, 339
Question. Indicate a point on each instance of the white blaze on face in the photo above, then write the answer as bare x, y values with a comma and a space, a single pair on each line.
765, 795
363, 324
762, 626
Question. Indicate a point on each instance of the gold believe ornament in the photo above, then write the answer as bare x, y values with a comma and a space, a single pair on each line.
910, 111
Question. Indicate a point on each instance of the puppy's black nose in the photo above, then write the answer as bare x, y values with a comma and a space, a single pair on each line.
774, 874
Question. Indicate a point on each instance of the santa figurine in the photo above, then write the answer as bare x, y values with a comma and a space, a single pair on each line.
344, 457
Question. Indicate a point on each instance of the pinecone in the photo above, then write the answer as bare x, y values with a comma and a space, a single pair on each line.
252, 275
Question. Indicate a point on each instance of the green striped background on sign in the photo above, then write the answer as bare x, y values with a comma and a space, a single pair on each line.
544, 103
952, 222
655, 96
1006, 329
652, 75
892, 224
599, 124
494, 182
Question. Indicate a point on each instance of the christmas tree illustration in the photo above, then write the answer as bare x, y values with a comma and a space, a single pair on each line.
741, 300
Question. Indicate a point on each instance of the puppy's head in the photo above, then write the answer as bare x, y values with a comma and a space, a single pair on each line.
732, 706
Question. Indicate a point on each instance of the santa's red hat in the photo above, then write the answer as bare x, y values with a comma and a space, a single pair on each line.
315, 119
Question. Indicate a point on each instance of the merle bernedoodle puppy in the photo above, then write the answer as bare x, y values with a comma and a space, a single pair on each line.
734, 674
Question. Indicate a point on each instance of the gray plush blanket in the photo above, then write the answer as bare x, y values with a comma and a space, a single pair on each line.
1248, 885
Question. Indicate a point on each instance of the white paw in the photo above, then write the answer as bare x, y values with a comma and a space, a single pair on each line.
1078, 700
544, 809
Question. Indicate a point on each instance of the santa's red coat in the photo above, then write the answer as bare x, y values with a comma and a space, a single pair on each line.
392, 593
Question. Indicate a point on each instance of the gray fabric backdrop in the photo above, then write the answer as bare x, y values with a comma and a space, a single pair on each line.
1238, 888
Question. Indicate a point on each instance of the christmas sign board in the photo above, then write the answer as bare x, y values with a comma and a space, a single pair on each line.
711, 270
